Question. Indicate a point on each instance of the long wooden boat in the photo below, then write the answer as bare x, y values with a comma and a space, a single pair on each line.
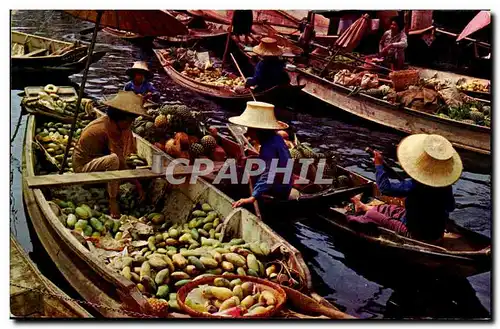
218, 92
462, 135
128, 36
33, 51
194, 35
462, 252
93, 280
32, 295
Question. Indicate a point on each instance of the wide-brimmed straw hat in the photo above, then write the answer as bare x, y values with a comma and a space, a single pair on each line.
127, 101
268, 47
140, 67
430, 160
259, 115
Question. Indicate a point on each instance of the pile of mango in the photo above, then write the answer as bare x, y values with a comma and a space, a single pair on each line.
231, 298
53, 136
87, 221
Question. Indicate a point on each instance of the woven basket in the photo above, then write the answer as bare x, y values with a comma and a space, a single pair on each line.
277, 291
404, 78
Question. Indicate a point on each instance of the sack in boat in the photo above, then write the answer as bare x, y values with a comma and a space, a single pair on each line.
419, 98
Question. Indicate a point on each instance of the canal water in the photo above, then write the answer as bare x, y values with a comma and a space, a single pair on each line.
356, 284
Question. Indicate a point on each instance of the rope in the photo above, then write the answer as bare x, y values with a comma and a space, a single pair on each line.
98, 306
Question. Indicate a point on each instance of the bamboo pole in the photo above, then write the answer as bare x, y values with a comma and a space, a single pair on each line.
80, 92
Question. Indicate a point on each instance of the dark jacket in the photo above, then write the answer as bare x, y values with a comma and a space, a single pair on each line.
427, 208
269, 72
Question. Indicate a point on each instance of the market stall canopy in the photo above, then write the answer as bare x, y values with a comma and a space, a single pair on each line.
143, 22
482, 19
351, 37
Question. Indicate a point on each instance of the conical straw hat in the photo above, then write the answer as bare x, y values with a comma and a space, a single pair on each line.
127, 101
259, 115
430, 160
268, 47
141, 67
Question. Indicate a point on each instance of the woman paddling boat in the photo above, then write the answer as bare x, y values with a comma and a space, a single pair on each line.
270, 71
139, 82
262, 125
433, 165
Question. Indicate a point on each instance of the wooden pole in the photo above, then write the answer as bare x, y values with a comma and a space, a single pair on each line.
250, 185
241, 73
226, 49
80, 92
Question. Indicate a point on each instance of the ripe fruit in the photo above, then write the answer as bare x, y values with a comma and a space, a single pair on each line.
160, 121
209, 143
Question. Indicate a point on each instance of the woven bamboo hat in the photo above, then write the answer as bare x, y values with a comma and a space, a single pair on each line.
268, 47
127, 101
140, 67
430, 160
259, 115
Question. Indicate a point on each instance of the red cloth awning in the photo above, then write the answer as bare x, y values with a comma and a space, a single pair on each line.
482, 19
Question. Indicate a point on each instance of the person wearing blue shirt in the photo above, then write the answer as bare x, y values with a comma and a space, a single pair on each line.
263, 126
270, 71
433, 165
139, 84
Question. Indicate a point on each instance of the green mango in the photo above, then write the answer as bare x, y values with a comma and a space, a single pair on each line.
163, 291
71, 221
82, 213
81, 224
206, 207
87, 231
96, 224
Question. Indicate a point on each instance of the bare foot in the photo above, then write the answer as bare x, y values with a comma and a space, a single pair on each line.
114, 208
359, 206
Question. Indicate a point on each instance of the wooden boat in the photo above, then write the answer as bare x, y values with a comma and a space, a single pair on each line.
462, 252
195, 35
462, 135
32, 295
128, 36
54, 71
33, 52
93, 280
218, 92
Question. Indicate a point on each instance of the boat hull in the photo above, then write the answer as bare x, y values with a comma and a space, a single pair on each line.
465, 136
111, 293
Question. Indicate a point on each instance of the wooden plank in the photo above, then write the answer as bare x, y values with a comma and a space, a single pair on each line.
104, 177
35, 52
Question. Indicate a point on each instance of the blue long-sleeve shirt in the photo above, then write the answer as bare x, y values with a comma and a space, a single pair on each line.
273, 148
269, 73
144, 88
427, 208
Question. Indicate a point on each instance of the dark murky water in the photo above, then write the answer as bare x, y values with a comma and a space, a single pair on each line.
355, 284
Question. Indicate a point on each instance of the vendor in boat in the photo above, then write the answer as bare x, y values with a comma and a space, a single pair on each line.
262, 126
270, 71
139, 83
107, 141
393, 44
433, 165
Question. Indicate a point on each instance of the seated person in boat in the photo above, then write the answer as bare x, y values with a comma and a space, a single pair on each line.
139, 84
270, 71
393, 44
433, 165
242, 23
107, 141
262, 126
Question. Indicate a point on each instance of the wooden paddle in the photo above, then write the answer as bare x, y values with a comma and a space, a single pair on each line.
301, 302
241, 73
250, 185
386, 166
